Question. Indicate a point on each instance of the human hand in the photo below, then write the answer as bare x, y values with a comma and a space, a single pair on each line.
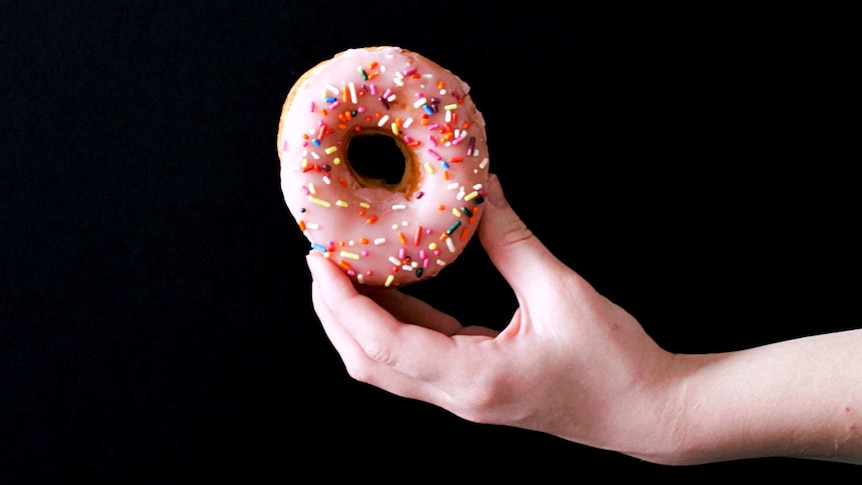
569, 363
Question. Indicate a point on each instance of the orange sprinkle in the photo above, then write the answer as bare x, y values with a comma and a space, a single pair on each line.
441, 207
344, 264
363, 240
305, 136
440, 85
357, 128
417, 236
445, 175
362, 212
373, 65
475, 215
464, 234
342, 126
342, 181
443, 236
402, 238
456, 159
371, 220
465, 125
302, 225
414, 143
345, 95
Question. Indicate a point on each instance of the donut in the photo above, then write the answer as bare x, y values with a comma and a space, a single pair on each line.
383, 161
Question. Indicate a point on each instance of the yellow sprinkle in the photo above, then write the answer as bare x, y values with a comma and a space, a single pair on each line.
429, 168
472, 195
304, 163
389, 280
331, 149
456, 212
319, 201
336, 161
450, 107
348, 254
311, 189
365, 205
395, 130
340, 203
432, 246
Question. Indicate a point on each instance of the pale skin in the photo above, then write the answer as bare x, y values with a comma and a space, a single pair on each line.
575, 365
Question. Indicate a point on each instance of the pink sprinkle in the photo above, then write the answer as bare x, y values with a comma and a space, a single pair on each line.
434, 126
419, 95
305, 143
387, 93
361, 109
284, 146
334, 104
351, 272
311, 106
410, 70
432, 140
364, 252
401, 253
428, 231
408, 138
373, 89
436, 252
422, 254
425, 263
434, 154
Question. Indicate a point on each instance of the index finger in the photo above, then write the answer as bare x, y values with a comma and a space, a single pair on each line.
410, 349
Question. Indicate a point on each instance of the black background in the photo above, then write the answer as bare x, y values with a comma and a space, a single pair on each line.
155, 321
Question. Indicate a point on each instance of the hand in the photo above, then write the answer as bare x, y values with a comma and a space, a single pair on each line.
569, 362
575, 365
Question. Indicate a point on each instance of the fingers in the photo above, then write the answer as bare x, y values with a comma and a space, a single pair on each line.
412, 310
519, 256
414, 351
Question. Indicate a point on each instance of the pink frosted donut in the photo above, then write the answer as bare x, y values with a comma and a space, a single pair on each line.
395, 226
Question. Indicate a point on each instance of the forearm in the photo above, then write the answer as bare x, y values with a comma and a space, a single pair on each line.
800, 398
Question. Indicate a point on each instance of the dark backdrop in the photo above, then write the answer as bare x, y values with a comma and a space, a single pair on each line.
155, 318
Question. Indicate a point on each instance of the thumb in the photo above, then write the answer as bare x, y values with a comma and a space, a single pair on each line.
516, 252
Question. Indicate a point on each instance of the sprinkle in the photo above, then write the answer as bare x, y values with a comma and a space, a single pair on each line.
365, 205
456, 212
389, 280
379, 241
319, 247
452, 228
450, 107
383, 121
466, 210
394, 260
429, 110
408, 122
336, 161
302, 225
319, 201
311, 189
344, 264
464, 233
417, 236
363, 73
432, 246
441, 262
471, 195
341, 203
371, 220
330, 150
395, 130
434, 154
311, 225
402, 254
484, 163
347, 254
450, 244
402, 238
398, 207
429, 168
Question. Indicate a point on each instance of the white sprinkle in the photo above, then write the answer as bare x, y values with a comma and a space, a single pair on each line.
399, 207
477, 186
408, 122
484, 163
326, 179
407, 267
452, 186
394, 260
378, 241
450, 244
419, 102
311, 225
383, 120
441, 262
352, 92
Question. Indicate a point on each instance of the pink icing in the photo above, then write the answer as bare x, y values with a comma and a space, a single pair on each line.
380, 236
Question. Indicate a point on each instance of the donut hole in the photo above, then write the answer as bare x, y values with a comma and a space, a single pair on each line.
380, 160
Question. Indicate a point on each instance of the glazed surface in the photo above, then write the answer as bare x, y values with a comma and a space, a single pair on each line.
384, 234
